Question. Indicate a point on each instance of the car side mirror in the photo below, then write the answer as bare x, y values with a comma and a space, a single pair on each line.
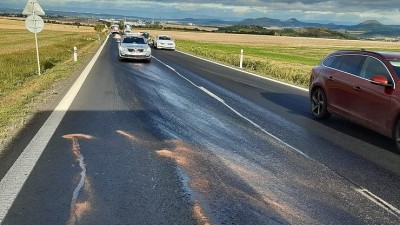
380, 80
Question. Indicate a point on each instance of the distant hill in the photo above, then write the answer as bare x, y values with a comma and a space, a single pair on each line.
370, 23
366, 29
316, 32
268, 22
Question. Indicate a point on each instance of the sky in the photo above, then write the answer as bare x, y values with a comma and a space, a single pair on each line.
347, 12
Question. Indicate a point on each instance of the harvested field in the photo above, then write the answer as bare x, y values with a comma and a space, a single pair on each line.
262, 40
288, 59
21, 89
19, 24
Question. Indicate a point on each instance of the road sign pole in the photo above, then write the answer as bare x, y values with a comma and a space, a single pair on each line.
34, 23
37, 46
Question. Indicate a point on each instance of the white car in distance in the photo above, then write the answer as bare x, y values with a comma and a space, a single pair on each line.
164, 42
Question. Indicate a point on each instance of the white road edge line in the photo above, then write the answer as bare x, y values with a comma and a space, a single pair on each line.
382, 203
244, 71
364, 192
13, 181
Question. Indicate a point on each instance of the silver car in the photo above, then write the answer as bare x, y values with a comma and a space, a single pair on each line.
134, 47
164, 42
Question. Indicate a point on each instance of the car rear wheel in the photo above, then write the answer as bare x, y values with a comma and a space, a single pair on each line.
396, 135
319, 104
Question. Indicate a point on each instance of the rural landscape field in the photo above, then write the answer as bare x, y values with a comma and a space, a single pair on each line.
288, 59
21, 87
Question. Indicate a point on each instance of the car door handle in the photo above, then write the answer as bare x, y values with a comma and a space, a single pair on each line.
357, 88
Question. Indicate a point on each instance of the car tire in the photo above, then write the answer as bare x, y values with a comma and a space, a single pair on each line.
319, 103
396, 135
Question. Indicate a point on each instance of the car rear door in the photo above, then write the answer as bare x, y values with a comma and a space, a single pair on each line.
341, 83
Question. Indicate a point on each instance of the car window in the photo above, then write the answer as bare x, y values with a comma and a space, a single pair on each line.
350, 63
329, 62
396, 67
164, 38
372, 67
134, 40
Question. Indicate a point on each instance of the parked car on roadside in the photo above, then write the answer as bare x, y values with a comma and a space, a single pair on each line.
362, 86
164, 42
134, 47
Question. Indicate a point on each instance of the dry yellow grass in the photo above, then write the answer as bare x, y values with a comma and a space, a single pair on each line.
289, 59
19, 24
262, 40
21, 90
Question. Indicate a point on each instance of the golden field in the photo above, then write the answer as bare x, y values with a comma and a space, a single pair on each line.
21, 89
261, 40
19, 24
288, 59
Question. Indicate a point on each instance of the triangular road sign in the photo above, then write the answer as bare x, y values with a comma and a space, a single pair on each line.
33, 6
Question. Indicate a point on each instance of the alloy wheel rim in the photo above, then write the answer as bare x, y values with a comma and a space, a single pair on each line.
318, 102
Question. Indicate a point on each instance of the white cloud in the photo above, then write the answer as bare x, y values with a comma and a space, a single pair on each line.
386, 11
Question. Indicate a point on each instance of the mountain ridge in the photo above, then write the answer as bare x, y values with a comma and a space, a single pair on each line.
367, 29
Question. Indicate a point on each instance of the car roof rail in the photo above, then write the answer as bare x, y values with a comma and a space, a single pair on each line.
355, 51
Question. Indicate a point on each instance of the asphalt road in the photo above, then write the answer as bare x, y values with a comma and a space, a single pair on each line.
184, 141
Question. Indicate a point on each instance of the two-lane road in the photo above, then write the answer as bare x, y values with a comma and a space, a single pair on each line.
184, 141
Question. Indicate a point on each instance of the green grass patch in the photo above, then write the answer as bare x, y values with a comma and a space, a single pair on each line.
20, 83
285, 62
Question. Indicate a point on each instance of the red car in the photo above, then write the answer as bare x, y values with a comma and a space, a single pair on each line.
362, 86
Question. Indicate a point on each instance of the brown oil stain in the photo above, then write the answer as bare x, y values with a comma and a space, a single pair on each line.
128, 135
206, 177
81, 209
78, 136
186, 157
200, 216
78, 209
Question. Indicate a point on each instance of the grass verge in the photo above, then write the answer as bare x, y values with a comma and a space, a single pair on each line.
287, 62
21, 88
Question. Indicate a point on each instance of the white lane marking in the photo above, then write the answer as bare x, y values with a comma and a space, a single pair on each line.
382, 203
369, 195
237, 113
13, 181
244, 71
212, 94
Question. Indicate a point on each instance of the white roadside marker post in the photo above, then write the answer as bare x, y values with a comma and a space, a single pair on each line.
241, 58
75, 54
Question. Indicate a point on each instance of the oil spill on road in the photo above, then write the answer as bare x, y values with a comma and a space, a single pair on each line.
78, 209
219, 196
196, 182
